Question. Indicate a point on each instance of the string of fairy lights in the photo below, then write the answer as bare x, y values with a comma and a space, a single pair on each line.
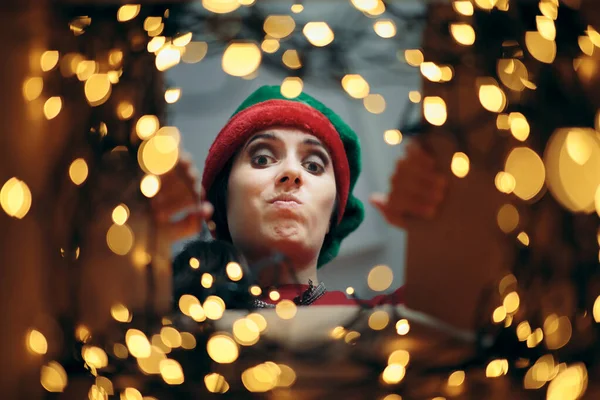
140, 356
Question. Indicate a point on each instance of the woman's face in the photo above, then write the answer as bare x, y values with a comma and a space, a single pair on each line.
281, 194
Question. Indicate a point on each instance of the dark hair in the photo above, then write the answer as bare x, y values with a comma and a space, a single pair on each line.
217, 196
213, 257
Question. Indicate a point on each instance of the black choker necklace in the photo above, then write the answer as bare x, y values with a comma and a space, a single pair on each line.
309, 296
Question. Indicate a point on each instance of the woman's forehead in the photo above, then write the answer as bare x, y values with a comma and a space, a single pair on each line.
285, 134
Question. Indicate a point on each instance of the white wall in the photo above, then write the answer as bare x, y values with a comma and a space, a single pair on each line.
209, 97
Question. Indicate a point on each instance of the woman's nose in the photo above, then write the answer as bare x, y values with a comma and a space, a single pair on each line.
291, 175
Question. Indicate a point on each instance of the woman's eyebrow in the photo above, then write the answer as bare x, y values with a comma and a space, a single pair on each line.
314, 142
268, 136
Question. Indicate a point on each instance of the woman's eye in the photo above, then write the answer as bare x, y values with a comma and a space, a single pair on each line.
314, 167
261, 160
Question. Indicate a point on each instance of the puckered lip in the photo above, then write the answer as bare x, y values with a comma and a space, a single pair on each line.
286, 197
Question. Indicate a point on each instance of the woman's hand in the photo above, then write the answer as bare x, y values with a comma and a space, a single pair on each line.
181, 193
417, 188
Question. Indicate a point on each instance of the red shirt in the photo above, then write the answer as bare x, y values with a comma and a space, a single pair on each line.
336, 298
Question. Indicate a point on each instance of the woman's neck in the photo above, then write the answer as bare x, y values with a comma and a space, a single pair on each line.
289, 271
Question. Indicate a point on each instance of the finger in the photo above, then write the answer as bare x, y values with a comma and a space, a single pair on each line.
430, 186
379, 200
412, 204
188, 226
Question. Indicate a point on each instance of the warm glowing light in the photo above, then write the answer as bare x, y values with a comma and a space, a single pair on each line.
15, 198
52, 107
49, 60
159, 154
120, 214
234, 271
36, 342
519, 127
374, 103
492, 98
221, 6
167, 57
523, 238
246, 332
183, 40
97, 89
499, 314
128, 12
569, 384
194, 52
255, 290
393, 374
380, 278
523, 331
137, 343
125, 110
557, 331
222, 349
172, 95
279, 26
147, 126
194, 263
508, 218
431, 71
572, 159
496, 368
505, 182
402, 327
241, 59
385, 28
78, 171
535, 338
350, 290
120, 313
401, 357
392, 137
540, 48
82, 333
355, 85
434, 110
292, 87
53, 377
270, 45
511, 302
378, 320
460, 164
414, 96
171, 337
85, 69
596, 310
206, 280
216, 383
155, 44
32, 88
291, 59
457, 378
464, 7
528, 171
94, 356
365, 5
214, 307
171, 372
546, 27
259, 320
463, 33
297, 8
120, 239
150, 185
274, 295
188, 341
286, 309
414, 57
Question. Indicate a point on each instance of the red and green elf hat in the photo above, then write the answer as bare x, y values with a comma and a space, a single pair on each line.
266, 108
